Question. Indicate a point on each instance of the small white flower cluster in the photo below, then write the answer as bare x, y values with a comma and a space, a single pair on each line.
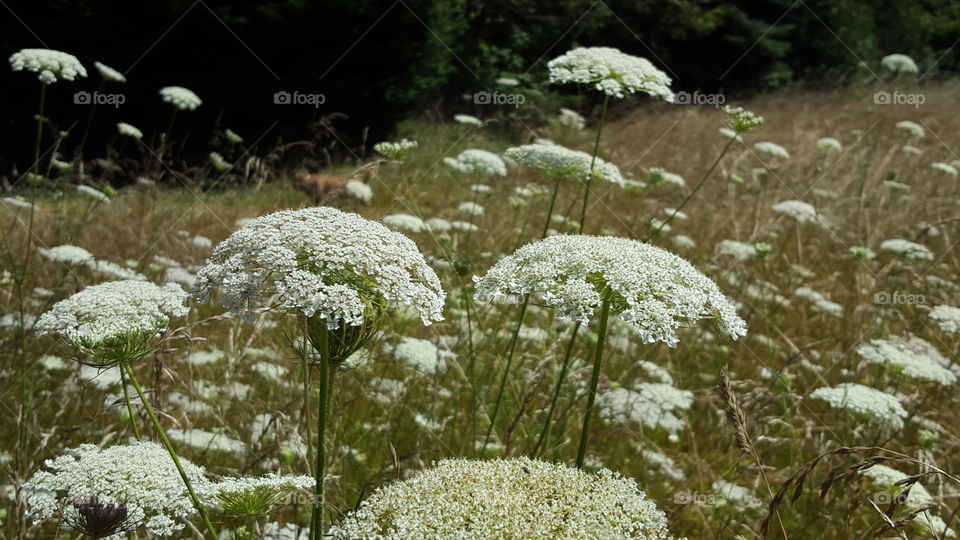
129, 130
395, 150
948, 317
899, 63
829, 144
737, 496
772, 149
218, 162
478, 161
819, 301
311, 257
93, 193
113, 310
467, 120
876, 406
654, 290
108, 73
610, 71
471, 209
907, 249
422, 355
888, 479
912, 128
359, 190
945, 168
798, 210
571, 119
141, 475
405, 222
48, 64
67, 254
506, 498
555, 159
736, 249
651, 405
910, 361
206, 440
239, 485
657, 175
180, 97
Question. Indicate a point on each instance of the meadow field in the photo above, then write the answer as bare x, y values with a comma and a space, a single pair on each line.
830, 228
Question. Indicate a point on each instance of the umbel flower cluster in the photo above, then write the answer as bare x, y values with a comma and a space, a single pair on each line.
653, 289
610, 71
180, 97
321, 262
113, 321
506, 498
868, 403
555, 159
478, 161
49, 65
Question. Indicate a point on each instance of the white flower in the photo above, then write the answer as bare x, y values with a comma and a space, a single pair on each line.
218, 162
395, 150
180, 97
481, 188
140, 475
741, 120
12, 201
67, 254
48, 64
322, 261
651, 405
737, 496
506, 498
113, 310
683, 241
657, 175
467, 120
359, 190
405, 222
819, 301
438, 225
571, 119
128, 130
738, 250
729, 133
507, 81
943, 167
907, 359
651, 288
948, 317
471, 208
109, 73
889, 479
93, 192
611, 72
798, 210
907, 249
912, 128
874, 405
773, 149
555, 159
912, 150
421, 355
478, 161
206, 440
899, 63
829, 144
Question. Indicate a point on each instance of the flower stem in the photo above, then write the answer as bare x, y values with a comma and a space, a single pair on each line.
553, 201
171, 451
323, 416
593, 160
545, 432
595, 376
126, 399
506, 373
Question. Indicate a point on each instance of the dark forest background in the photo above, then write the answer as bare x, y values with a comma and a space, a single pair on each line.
378, 62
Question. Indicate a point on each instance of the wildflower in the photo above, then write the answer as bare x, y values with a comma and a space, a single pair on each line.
467, 120
610, 71
741, 121
943, 167
206, 440
912, 150
93, 192
478, 161
907, 360
555, 159
114, 321
862, 253
876, 406
798, 210
359, 190
507, 81
67, 254
48, 64
522, 498
246, 497
907, 249
571, 119
737, 496
898, 63
657, 176
890, 481
471, 208
829, 144
683, 241
651, 405
819, 301
651, 288
109, 74
180, 97
395, 150
738, 250
773, 149
438, 225
481, 188
762, 249
947, 317
405, 222
232, 137
128, 130
421, 355
729, 133
912, 128
218, 162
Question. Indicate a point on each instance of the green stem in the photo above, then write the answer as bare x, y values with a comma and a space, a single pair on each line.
553, 201
699, 185
173, 453
323, 416
506, 373
594, 377
593, 160
126, 399
545, 432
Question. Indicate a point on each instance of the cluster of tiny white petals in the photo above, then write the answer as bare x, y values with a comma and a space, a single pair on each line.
651, 405
129, 130
571, 119
907, 249
506, 498
299, 251
899, 63
67, 254
909, 361
180, 97
798, 210
114, 309
888, 478
49, 65
820, 302
206, 440
467, 120
736, 249
359, 190
876, 406
610, 71
659, 290
109, 73
478, 161
948, 317
912, 128
94, 193
945, 168
140, 475
405, 222
471, 208
395, 150
553, 158
829, 144
657, 175
421, 355
772, 149
238, 485
737, 496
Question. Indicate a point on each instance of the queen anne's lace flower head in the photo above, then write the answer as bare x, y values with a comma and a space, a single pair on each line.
395, 150
772, 149
109, 73
49, 65
651, 405
478, 161
610, 71
141, 475
651, 288
945, 168
106, 320
180, 97
467, 120
899, 63
322, 262
741, 121
872, 404
571, 119
907, 249
913, 128
947, 317
829, 144
555, 159
514, 498
798, 210
903, 356
128, 130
